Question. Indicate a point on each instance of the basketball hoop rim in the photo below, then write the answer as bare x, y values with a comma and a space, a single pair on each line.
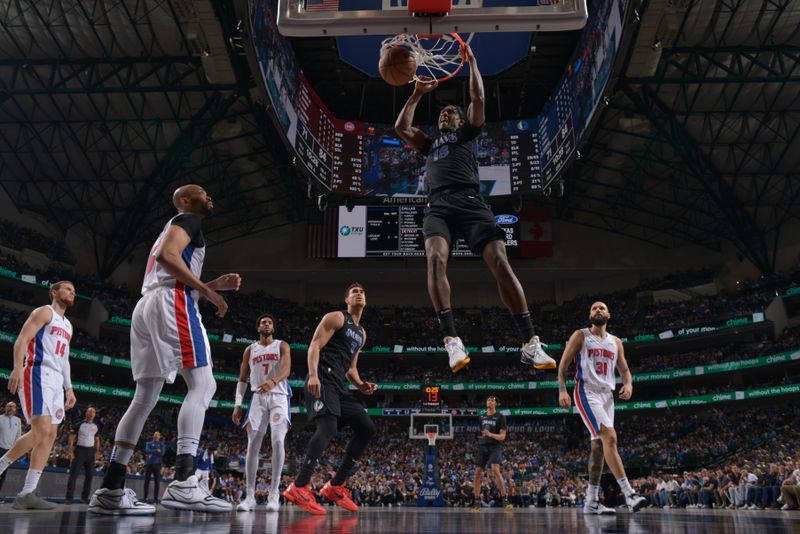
462, 52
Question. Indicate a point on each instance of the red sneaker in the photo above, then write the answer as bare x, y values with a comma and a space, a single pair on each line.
302, 497
339, 495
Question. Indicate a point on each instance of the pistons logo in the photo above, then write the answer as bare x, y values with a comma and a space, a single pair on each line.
59, 414
276, 418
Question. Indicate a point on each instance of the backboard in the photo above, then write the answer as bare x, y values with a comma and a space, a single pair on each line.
419, 422
316, 18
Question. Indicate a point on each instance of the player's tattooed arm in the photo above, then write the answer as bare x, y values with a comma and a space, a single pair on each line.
596, 462
626, 391
476, 114
573, 346
403, 126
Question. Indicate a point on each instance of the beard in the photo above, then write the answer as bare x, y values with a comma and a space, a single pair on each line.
202, 207
599, 320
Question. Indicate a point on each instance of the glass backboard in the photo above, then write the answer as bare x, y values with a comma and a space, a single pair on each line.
316, 18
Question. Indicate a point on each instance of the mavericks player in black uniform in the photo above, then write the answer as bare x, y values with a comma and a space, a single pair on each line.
490, 451
456, 209
332, 360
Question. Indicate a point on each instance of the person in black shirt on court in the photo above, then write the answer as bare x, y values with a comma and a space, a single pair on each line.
332, 361
490, 451
457, 209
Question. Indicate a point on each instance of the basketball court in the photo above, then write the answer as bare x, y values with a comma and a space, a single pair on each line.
290, 520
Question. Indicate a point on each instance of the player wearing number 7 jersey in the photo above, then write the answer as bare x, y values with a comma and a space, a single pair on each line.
266, 363
596, 353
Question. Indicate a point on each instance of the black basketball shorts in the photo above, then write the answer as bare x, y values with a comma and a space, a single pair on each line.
462, 214
489, 455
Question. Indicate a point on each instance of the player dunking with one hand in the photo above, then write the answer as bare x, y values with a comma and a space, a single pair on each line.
597, 353
41, 376
333, 360
266, 364
167, 338
457, 209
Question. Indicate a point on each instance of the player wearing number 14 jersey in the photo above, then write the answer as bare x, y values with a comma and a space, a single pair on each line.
267, 364
596, 354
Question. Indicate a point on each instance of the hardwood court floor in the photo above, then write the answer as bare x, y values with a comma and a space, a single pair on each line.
69, 519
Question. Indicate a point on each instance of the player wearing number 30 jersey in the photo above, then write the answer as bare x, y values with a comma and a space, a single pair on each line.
596, 354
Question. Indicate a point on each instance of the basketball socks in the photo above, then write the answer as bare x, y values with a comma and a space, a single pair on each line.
31, 481
115, 475
592, 493
524, 325
625, 486
184, 466
447, 323
4, 463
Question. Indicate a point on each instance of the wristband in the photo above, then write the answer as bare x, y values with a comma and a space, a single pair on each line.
241, 387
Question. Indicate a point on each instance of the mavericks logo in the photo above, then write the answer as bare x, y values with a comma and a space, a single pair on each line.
318, 406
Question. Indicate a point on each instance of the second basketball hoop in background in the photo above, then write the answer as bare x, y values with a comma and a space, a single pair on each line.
397, 65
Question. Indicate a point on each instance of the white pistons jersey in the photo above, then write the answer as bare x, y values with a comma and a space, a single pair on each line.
155, 275
48, 349
596, 362
265, 364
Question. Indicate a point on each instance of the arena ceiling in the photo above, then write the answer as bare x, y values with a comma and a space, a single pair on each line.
106, 106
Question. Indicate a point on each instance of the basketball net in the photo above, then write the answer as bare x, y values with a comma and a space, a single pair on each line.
432, 435
439, 56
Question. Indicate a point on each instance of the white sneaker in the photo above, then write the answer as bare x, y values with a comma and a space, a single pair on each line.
247, 505
456, 352
189, 495
533, 354
595, 508
274, 502
122, 501
635, 502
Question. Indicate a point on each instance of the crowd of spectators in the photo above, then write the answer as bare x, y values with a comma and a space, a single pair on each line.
19, 237
732, 457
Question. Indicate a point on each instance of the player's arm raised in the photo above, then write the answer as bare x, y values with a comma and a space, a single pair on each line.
414, 137
570, 351
283, 371
241, 387
367, 388
329, 324
36, 320
169, 256
626, 391
476, 112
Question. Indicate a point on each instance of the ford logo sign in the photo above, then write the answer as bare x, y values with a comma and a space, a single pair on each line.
506, 219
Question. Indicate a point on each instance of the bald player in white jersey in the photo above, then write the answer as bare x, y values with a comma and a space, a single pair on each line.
168, 337
41, 375
597, 353
266, 363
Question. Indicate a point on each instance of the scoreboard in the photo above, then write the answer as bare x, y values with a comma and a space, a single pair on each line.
396, 231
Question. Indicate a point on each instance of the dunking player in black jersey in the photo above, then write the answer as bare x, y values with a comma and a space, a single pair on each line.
494, 430
456, 208
332, 361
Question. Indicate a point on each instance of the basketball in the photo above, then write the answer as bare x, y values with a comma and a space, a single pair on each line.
397, 65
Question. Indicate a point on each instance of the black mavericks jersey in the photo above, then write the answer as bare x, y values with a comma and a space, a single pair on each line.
452, 161
494, 424
338, 353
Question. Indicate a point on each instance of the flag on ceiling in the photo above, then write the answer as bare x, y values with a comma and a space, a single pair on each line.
322, 5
